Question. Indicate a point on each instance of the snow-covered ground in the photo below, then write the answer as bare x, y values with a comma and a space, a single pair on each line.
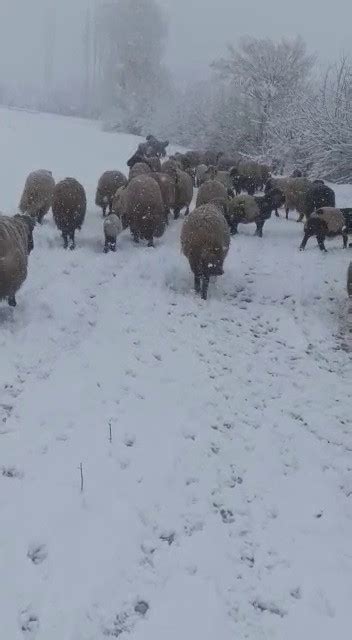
215, 438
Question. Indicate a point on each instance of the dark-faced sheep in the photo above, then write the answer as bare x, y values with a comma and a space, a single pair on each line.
69, 209
327, 222
37, 194
318, 195
108, 184
205, 241
145, 209
112, 229
16, 243
249, 209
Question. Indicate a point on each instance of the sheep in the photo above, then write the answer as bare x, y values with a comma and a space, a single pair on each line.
37, 194
119, 206
170, 167
191, 159
205, 241
112, 229
152, 161
138, 169
168, 191
201, 172
184, 193
211, 157
16, 243
108, 184
145, 209
347, 214
296, 194
226, 163
319, 195
349, 280
209, 190
295, 191
247, 209
69, 208
325, 222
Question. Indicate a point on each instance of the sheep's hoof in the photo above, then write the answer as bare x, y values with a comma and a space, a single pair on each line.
106, 249
72, 247
151, 243
12, 301
277, 214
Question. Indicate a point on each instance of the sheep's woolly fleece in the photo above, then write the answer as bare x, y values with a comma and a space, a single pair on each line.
215, 438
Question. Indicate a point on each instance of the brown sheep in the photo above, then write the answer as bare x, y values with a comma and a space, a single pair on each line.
69, 208
37, 194
119, 206
184, 193
16, 243
145, 209
210, 190
108, 184
205, 241
139, 169
168, 191
170, 167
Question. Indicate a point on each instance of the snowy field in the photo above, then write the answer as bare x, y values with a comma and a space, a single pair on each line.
215, 438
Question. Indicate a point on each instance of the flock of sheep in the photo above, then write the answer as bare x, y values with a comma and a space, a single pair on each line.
155, 188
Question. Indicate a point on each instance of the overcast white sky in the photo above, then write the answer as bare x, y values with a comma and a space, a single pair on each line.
199, 30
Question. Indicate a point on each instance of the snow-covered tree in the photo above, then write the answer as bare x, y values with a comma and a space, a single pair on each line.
264, 73
132, 37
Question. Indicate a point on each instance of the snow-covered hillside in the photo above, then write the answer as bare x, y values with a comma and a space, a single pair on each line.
215, 438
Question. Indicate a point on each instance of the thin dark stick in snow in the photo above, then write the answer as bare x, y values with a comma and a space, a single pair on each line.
82, 479
110, 433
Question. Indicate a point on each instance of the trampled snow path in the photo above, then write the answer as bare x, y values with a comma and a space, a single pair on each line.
215, 438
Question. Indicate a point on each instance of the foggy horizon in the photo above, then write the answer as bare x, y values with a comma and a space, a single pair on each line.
199, 31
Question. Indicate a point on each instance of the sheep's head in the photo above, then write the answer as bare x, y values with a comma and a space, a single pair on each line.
212, 262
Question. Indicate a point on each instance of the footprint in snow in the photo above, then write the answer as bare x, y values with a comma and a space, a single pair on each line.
29, 623
37, 553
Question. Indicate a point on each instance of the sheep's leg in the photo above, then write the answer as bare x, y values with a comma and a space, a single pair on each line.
300, 218
113, 245
304, 241
177, 212
259, 231
12, 301
151, 242
135, 237
65, 239
40, 216
106, 246
287, 210
187, 211
234, 228
104, 207
277, 213
344, 237
72, 239
205, 286
320, 240
197, 283
110, 206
